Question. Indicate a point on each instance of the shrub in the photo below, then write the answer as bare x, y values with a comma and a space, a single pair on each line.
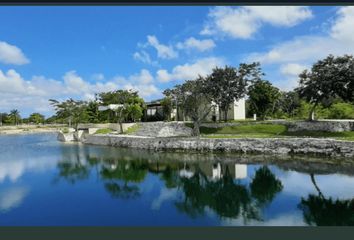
103, 131
341, 111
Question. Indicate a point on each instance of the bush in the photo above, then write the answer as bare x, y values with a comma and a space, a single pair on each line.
65, 130
341, 111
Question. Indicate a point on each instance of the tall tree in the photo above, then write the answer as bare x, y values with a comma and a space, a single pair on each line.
289, 103
167, 107
74, 111
4, 118
328, 78
198, 102
228, 84
178, 96
262, 97
36, 118
15, 116
92, 112
131, 105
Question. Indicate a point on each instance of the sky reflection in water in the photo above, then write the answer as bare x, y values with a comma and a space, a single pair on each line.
45, 182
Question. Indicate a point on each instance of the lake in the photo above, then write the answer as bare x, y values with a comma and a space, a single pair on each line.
45, 182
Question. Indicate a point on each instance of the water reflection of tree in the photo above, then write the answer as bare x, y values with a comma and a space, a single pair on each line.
73, 172
126, 171
122, 191
229, 199
170, 176
265, 185
224, 196
321, 211
73, 168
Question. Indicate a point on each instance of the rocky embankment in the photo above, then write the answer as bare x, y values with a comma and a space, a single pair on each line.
14, 130
163, 129
311, 146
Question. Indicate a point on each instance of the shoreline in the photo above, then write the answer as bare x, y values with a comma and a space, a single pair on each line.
6, 132
279, 146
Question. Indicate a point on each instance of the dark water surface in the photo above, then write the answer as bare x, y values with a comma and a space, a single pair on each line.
45, 182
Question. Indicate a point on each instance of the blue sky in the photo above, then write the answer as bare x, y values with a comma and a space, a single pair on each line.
61, 52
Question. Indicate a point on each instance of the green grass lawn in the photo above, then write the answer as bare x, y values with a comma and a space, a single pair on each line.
256, 129
268, 131
104, 131
132, 129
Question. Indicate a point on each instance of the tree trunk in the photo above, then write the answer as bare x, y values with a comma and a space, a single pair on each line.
225, 114
312, 112
120, 127
196, 126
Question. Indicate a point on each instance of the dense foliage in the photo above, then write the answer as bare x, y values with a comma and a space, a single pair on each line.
330, 78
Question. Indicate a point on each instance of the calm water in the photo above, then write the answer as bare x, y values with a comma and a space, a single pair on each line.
45, 182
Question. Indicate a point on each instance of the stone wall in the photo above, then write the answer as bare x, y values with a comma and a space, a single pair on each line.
93, 127
163, 129
322, 147
326, 126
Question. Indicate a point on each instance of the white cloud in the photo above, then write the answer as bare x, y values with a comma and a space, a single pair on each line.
141, 82
305, 49
12, 198
145, 90
193, 43
292, 69
144, 77
10, 54
294, 55
75, 84
344, 25
308, 49
291, 72
163, 51
244, 22
33, 94
142, 56
190, 71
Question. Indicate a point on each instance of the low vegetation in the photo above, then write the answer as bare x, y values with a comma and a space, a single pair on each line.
269, 131
65, 130
132, 129
104, 131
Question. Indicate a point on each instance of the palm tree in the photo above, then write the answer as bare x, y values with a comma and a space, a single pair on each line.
15, 115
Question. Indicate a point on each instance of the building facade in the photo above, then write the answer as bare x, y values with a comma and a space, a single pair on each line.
154, 112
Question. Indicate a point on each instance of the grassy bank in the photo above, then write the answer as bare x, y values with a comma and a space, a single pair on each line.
103, 131
268, 131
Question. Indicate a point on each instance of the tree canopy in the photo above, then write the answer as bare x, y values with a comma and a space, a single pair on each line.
263, 97
228, 84
328, 78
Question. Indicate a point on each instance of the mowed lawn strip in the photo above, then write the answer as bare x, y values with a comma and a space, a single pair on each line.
269, 131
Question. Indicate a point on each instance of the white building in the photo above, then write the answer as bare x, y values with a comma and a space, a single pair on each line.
237, 111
